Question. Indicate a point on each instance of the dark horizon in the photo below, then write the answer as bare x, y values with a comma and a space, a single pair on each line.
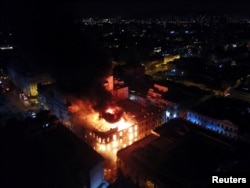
16, 10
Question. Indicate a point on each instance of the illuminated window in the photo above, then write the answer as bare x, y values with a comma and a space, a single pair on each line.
130, 130
130, 137
33, 90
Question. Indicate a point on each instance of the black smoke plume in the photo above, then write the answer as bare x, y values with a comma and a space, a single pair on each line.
77, 59
83, 68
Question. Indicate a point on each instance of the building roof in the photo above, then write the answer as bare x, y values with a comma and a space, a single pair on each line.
182, 94
138, 111
221, 108
51, 158
180, 157
62, 139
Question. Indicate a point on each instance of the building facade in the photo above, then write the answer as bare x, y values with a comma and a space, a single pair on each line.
222, 127
161, 160
27, 77
51, 99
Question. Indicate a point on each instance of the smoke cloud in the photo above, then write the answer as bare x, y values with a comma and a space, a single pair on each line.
77, 59
82, 70
83, 66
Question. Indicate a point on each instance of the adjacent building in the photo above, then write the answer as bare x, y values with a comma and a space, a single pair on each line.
176, 155
222, 127
26, 75
50, 154
51, 99
226, 116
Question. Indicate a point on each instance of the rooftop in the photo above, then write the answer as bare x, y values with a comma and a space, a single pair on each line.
179, 157
138, 111
221, 108
183, 95
51, 158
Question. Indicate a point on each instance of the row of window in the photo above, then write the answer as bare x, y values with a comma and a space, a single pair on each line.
220, 128
208, 121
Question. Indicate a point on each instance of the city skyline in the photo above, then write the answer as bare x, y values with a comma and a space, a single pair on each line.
139, 8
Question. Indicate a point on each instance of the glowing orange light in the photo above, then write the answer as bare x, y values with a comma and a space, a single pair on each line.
103, 147
110, 110
122, 126
130, 136
115, 144
74, 108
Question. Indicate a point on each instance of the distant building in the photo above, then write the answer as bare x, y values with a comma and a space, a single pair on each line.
117, 87
158, 68
162, 159
27, 75
51, 99
154, 96
222, 127
225, 116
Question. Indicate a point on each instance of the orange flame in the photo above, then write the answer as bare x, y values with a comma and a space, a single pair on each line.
74, 108
85, 115
110, 110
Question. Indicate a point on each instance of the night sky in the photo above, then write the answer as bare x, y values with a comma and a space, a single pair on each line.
122, 8
24, 13
159, 8
28, 17
44, 28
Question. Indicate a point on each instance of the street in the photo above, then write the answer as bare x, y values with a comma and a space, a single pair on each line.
16, 105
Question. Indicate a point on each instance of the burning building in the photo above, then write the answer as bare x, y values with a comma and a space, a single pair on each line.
106, 125
117, 124
98, 109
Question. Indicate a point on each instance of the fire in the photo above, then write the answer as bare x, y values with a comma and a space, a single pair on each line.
74, 108
110, 110
112, 114
113, 117
79, 106
100, 124
119, 128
